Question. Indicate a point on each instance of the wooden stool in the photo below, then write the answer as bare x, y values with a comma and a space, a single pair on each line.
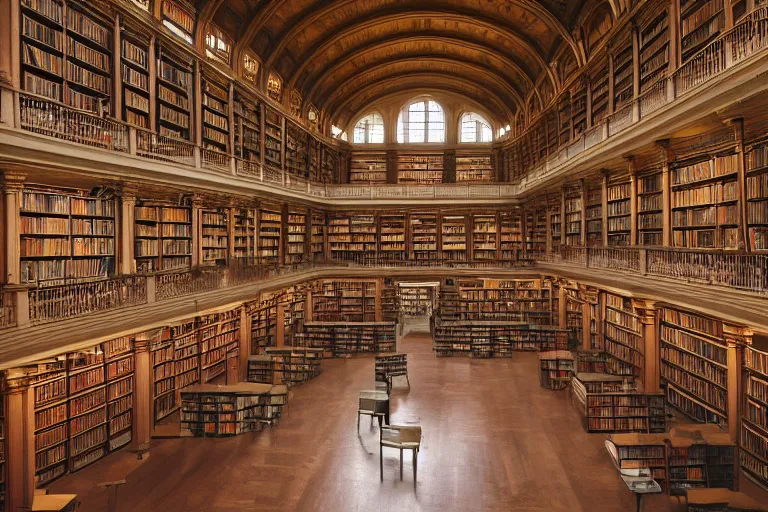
401, 438
373, 403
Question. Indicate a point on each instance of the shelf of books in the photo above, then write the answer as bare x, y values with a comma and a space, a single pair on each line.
622, 75
163, 373
163, 238
296, 243
416, 300
650, 209
556, 368
219, 334
42, 47
494, 338
247, 128
87, 407
757, 195
270, 232
419, 169
554, 210
754, 419
390, 302
339, 237
207, 411
174, 94
215, 115
564, 116
215, 235
120, 365
509, 300
694, 364
485, 237
340, 301
700, 22
574, 208
392, 243
315, 160
362, 230
184, 365
49, 385
263, 316
654, 48
579, 110
474, 169
65, 236
552, 130
453, 236
622, 412
705, 204
574, 318
619, 211
511, 244
650, 452
339, 339
273, 138
245, 235
296, 150
423, 236
623, 337
594, 214
596, 339
700, 467
261, 369
179, 18
134, 68
536, 230
330, 166
318, 236
599, 85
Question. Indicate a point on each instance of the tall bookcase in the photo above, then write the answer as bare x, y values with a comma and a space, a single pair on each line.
219, 335
419, 169
263, 316
362, 230
700, 22
619, 211
622, 74
453, 235
65, 236
554, 210
694, 364
318, 240
296, 241
270, 233
654, 49
578, 110
754, 419
511, 245
296, 150
134, 64
174, 94
474, 169
339, 237
120, 365
392, 232
247, 128
185, 351
163, 238
623, 337
49, 386
650, 208
536, 230
574, 208
215, 235
485, 237
345, 301
423, 236
564, 116
273, 138
164, 402
599, 85
245, 235
216, 107
757, 195
593, 210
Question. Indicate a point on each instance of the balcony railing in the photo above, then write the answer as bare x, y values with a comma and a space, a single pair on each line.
7, 309
165, 149
73, 300
216, 161
188, 282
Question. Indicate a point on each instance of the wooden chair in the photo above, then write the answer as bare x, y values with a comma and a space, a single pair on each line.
401, 438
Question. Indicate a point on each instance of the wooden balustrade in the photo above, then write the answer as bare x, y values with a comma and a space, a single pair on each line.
188, 282
166, 149
7, 310
216, 161
79, 299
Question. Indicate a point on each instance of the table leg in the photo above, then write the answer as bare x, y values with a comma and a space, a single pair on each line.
401, 464
415, 466
358, 421
639, 501
381, 461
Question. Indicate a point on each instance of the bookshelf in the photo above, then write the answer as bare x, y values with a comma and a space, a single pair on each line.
654, 49
556, 368
700, 467
163, 238
705, 206
120, 363
345, 301
596, 340
754, 420
643, 452
245, 235
593, 211
511, 243
622, 75
179, 18
42, 47
536, 230
620, 412
215, 235
296, 150
247, 128
552, 132
296, 241
362, 231
315, 160
700, 22
574, 208
390, 301
619, 211
485, 237
574, 317
453, 236
270, 233
578, 110
319, 230
491, 338
164, 401
650, 209
623, 337
599, 85
554, 210
263, 326
338, 339
134, 68
474, 169
756, 164
65, 236
273, 138
423, 236
219, 335
87, 407
215, 122
174, 94
183, 366
419, 169
523, 300
261, 369
564, 115
339, 237
416, 300
392, 232
49, 386
694, 365
330, 165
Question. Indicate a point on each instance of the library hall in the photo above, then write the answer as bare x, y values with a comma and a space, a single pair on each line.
385, 255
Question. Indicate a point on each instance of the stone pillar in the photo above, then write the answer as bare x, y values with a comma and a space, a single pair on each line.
127, 231
392, 166
20, 441
449, 166
143, 417
649, 319
13, 183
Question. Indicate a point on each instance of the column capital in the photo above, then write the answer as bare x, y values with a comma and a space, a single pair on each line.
127, 191
13, 181
15, 380
143, 341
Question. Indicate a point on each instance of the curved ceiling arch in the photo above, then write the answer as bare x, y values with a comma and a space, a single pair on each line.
422, 46
381, 72
349, 105
429, 20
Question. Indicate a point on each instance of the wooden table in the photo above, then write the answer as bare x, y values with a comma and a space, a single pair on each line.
54, 502
401, 438
373, 404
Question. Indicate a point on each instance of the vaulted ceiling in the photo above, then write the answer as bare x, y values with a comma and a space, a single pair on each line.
341, 55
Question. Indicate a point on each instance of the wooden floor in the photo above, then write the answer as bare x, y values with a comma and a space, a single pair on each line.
493, 441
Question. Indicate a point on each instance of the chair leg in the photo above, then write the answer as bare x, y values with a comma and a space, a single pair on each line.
381, 461
408, 381
415, 466
358, 422
401, 464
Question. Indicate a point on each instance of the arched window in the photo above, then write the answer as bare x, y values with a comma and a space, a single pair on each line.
422, 121
369, 130
475, 128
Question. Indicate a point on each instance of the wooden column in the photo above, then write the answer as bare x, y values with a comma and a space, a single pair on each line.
391, 166
604, 175
632, 201
378, 316
586, 338
666, 195
549, 226
127, 231
20, 442
280, 325
308, 313
635, 72
743, 240
245, 342
611, 85
230, 233
196, 123
152, 68
13, 183
735, 353
197, 236
649, 319
117, 68
583, 195
143, 417
562, 305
